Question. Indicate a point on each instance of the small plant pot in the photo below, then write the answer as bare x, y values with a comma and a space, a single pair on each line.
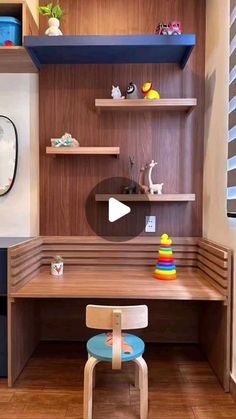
57, 268
53, 27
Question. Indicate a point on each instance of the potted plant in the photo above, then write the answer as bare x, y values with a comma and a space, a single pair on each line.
55, 13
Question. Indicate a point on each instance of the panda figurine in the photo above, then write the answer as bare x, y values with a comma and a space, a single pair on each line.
132, 91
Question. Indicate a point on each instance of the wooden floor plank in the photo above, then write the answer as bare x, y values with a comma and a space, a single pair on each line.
181, 385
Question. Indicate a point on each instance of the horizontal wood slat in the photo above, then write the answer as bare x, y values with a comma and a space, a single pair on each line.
219, 262
217, 278
17, 261
25, 260
214, 249
117, 254
213, 261
127, 240
22, 248
26, 264
115, 248
211, 281
119, 261
221, 272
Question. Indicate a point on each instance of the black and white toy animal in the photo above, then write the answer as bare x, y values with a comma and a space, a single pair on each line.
132, 91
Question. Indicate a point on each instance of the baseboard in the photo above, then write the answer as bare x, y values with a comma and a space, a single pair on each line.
232, 388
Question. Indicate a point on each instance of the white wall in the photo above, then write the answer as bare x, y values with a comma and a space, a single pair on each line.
216, 225
19, 209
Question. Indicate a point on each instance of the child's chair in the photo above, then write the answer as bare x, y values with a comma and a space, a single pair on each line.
115, 348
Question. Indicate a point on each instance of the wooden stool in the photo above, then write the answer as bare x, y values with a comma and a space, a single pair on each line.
116, 349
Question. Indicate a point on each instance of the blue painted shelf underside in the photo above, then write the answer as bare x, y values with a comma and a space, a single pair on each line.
101, 49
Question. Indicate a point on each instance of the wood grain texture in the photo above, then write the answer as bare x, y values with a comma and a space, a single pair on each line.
175, 140
24, 261
23, 335
169, 321
185, 105
181, 385
113, 282
215, 334
15, 60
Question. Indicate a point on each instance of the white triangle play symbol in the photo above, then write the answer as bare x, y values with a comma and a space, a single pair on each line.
117, 210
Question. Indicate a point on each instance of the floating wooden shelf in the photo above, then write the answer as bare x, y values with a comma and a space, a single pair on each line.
98, 151
149, 197
186, 105
100, 49
16, 60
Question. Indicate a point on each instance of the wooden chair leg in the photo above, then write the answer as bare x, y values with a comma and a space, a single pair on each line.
136, 377
94, 374
88, 387
143, 371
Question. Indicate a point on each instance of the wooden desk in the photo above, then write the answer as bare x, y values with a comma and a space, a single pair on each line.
194, 308
122, 282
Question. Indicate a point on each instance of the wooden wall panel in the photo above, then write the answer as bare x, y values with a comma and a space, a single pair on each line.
67, 95
169, 321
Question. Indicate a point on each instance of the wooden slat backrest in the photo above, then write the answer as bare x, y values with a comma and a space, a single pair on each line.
24, 261
214, 261
141, 251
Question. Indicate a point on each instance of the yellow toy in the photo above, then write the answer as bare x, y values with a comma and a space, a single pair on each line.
165, 266
149, 92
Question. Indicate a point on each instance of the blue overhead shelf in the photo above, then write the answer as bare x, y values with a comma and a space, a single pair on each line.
101, 49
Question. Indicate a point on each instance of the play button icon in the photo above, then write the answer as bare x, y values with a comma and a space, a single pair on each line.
113, 214
117, 210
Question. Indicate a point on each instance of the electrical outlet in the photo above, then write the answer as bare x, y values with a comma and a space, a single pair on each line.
150, 224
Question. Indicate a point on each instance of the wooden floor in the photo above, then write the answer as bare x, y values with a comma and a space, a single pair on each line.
181, 385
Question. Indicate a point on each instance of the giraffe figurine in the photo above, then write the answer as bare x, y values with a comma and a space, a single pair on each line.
142, 187
154, 187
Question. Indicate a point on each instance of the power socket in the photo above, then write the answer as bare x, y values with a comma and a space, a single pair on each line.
150, 226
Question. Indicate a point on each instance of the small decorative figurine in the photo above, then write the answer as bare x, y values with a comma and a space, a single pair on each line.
149, 92
65, 141
132, 91
154, 187
55, 14
142, 187
57, 266
165, 266
116, 93
131, 189
171, 28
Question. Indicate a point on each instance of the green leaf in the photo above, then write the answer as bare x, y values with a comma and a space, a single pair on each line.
44, 10
50, 6
57, 11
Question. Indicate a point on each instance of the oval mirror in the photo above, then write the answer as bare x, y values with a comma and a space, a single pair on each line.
8, 154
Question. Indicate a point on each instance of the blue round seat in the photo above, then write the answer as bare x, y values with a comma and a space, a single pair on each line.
99, 349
